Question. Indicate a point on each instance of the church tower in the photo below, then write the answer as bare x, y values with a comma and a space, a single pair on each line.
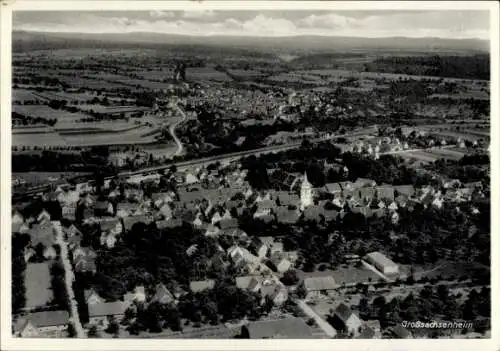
306, 198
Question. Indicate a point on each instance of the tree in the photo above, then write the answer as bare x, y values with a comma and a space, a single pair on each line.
290, 277
113, 327
93, 332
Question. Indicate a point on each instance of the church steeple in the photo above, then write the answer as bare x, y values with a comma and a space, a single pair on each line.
306, 198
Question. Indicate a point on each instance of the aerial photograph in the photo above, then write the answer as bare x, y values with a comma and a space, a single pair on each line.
247, 174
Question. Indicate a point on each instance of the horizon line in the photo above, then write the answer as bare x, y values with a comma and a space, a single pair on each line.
252, 36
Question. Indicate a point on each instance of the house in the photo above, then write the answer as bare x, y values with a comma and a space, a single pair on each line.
162, 295
385, 192
216, 218
165, 211
49, 253
286, 215
108, 240
258, 248
289, 328
101, 208
17, 217
284, 198
100, 313
333, 188
407, 190
274, 290
198, 286
42, 233
212, 230
84, 260
128, 222
375, 330
264, 208
382, 263
363, 182
43, 216
111, 227
274, 247
161, 198
92, 297
399, 332
281, 262
191, 179
228, 223
172, 223
317, 286
42, 323
344, 320
138, 295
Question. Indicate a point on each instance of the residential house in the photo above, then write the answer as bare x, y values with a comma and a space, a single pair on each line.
289, 328
212, 230
92, 297
385, 192
101, 313
162, 295
286, 215
317, 286
43, 216
128, 222
333, 188
42, 233
84, 260
17, 217
44, 323
382, 263
399, 332
345, 320
111, 227
264, 208
216, 217
198, 286
165, 211
258, 248
108, 240
281, 262
191, 179
161, 198
138, 295
285, 198
406, 190
228, 223
102, 208
172, 223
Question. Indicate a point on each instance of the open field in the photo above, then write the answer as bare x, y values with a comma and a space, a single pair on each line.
206, 74
112, 109
420, 156
22, 95
47, 112
448, 153
453, 270
37, 282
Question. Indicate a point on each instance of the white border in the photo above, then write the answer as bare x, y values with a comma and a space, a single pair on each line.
9, 343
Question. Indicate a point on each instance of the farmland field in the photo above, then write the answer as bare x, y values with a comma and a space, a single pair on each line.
207, 73
420, 156
447, 153
23, 95
45, 111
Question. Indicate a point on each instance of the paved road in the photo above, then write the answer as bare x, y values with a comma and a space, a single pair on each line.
320, 322
69, 278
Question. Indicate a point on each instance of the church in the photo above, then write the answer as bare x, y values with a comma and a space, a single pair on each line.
306, 193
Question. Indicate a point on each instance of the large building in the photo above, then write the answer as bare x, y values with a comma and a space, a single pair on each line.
382, 263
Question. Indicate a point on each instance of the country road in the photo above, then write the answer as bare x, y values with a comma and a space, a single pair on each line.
69, 278
180, 147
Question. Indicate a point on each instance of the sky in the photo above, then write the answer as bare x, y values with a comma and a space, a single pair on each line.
414, 24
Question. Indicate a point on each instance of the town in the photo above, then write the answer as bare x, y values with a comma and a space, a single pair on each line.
183, 194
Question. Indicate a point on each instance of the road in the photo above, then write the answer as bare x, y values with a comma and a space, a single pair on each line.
320, 322
180, 147
69, 278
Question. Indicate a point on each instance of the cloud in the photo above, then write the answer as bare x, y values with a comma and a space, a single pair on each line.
161, 14
452, 24
198, 14
327, 21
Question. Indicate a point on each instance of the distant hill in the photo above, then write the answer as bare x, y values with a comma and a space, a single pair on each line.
24, 40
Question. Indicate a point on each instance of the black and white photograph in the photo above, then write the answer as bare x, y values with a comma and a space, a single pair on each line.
252, 173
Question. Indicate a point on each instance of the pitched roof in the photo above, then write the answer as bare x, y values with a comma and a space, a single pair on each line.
380, 258
385, 192
343, 312
42, 234
284, 215
333, 188
109, 224
407, 190
128, 222
228, 223
320, 283
107, 309
289, 328
162, 295
200, 285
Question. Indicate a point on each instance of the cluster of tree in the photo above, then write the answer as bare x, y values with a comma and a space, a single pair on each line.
58, 285
18, 267
431, 304
147, 255
18, 118
466, 170
472, 66
54, 161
